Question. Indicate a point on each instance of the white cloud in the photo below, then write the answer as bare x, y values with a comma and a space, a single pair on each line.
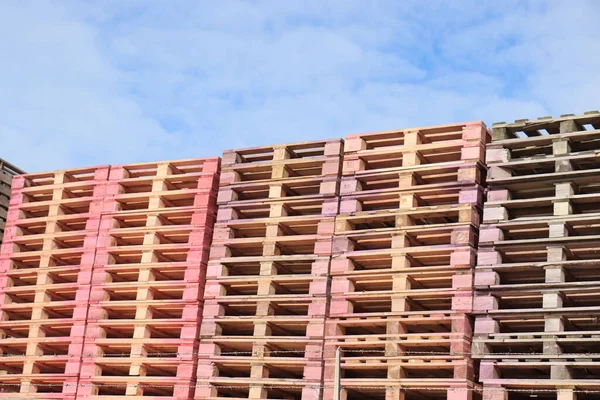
124, 82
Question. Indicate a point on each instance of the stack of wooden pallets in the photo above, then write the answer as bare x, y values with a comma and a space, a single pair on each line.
537, 304
7, 171
148, 281
45, 275
153, 280
267, 282
403, 262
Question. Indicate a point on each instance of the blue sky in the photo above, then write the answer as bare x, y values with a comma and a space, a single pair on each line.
87, 83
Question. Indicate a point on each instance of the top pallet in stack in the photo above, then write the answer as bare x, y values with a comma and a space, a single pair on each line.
7, 171
267, 282
46, 270
537, 302
148, 279
402, 264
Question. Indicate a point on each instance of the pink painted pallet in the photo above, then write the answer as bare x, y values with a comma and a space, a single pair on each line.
56, 202
170, 175
36, 386
406, 389
137, 378
407, 218
302, 245
141, 347
168, 184
156, 238
282, 153
402, 370
189, 218
419, 335
287, 161
281, 180
453, 196
279, 189
264, 378
302, 267
416, 239
391, 293
277, 351
289, 226
306, 208
290, 236
56, 193
385, 151
45, 289
406, 179
263, 328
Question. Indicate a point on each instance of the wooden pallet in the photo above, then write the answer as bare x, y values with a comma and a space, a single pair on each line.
266, 286
535, 345
174, 380
56, 203
310, 207
437, 134
526, 389
399, 240
412, 147
39, 386
546, 126
572, 372
263, 312
436, 216
261, 327
261, 371
550, 230
226, 232
283, 152
434, 379
319, 245
284, 168
258, 356
7, 172
390, 291
406, 389
259, 388
417, 336
536, 300
405, 199
424, 177
279, 189
301, 267
166, 170
67, 179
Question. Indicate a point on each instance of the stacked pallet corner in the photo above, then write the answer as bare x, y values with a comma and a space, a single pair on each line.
7, 172
45, 276
268, 277
402, 266
146, 298
537, 302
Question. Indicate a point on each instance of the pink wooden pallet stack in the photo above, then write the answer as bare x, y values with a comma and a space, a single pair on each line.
267, 283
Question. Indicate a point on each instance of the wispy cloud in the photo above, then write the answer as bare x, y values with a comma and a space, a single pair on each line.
111, 82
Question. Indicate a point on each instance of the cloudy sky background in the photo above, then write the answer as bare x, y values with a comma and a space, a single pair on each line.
87, 83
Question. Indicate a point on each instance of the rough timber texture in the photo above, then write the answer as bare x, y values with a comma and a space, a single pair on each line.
7, 172
536, 305
403, 258
148, 281
268, 275
102, 280
46, 269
